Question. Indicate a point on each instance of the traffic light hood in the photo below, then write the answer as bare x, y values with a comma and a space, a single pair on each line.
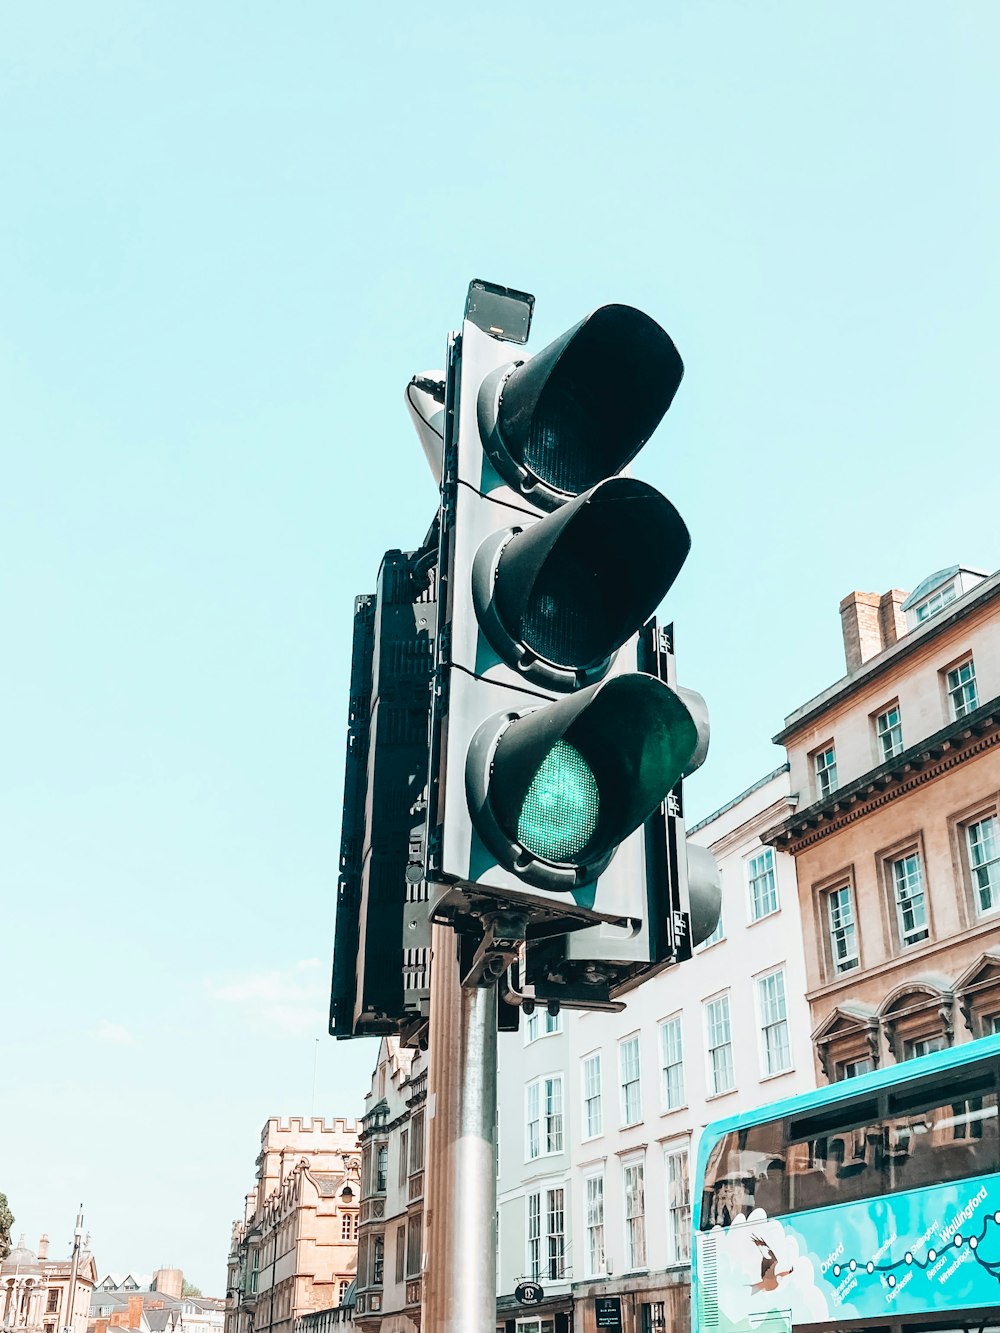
559, 597
581, 409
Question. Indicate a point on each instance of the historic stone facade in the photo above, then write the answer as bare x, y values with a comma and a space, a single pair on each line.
43, 1295
295, 1251
896, 836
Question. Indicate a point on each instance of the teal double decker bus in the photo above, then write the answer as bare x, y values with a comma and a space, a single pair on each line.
870, 1204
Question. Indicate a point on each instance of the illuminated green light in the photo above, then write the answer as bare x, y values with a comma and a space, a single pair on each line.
560, 808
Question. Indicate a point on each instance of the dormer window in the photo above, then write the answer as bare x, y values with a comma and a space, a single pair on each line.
937, 601
936, 593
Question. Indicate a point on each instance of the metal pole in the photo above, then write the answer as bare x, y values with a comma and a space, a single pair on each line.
74, 1269
459, 1288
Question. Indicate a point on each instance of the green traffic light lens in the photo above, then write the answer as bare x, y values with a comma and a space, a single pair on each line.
560, 809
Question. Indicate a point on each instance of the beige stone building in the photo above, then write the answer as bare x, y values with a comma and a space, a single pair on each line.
43, 1295
295, 1251
896, 835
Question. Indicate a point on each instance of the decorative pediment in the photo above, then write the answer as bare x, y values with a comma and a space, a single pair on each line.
919, 1007
850, 1029
847, 1019
978, 992
985, 971
915, 995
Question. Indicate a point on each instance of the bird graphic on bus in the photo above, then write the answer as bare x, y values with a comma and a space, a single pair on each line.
770, 1275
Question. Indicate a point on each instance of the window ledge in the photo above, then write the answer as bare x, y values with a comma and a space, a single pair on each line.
672, 1110
778, 1073
755, 921
715, 1096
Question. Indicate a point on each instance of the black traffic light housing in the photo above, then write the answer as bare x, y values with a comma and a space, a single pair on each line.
551, 746
382, 943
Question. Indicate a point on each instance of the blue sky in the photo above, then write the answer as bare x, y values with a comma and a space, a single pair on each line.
230, 234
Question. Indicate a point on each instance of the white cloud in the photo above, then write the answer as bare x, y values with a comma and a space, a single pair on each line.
114, 1034
291, 1002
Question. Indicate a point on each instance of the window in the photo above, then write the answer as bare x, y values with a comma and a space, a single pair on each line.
983, 843
52, 1302
918, 1046
937, 601
417, 1143
544, 1119
404, 1155
963, 697
928, 1131
400, 1252
555, 1232
826, 771
345, 1227
762, 884
381, 1167
911, 905
635, 1215
889, 733
852, 1068
541, 1023
595, 1225
535, 1237
592, 1117
355, 1224
678, 1206
378, 1259
413, 1242
719, 1044
628, 1064
547, 1250
343, 1289
843, 936
672, 1062
773, 1012
535, 1326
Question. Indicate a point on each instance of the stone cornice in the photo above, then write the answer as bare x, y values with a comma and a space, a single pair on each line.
953, 745
758, 824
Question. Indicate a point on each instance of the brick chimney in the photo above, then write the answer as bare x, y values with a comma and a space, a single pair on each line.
860, 617
135, 1311
891, 617
43, 1247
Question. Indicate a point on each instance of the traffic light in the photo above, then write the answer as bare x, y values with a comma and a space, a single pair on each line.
382, 941
683, 897
552, 745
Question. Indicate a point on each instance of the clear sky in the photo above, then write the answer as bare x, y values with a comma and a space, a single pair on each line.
229, 234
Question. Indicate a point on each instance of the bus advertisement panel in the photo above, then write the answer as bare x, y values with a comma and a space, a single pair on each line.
931, 1249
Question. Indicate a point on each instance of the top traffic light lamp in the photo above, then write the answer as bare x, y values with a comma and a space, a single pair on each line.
581, 409
549, 748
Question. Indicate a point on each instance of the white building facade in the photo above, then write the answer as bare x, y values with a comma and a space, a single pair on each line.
600, 1114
